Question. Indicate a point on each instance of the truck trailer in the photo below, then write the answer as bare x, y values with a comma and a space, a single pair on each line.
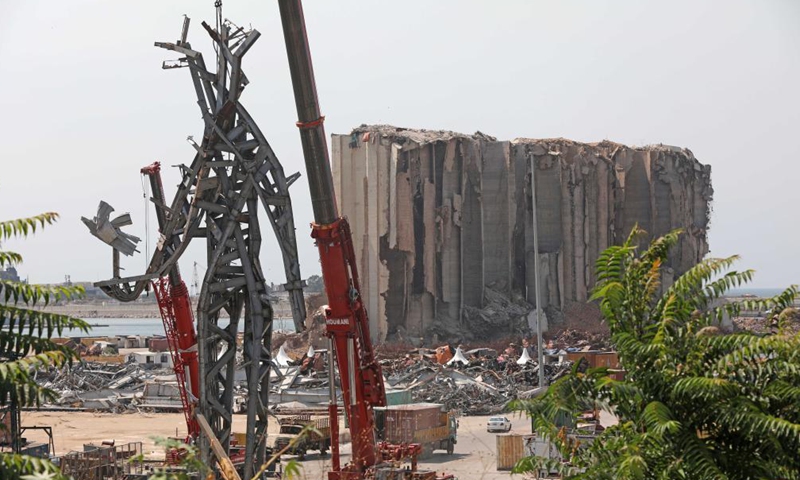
302, 433
428, 424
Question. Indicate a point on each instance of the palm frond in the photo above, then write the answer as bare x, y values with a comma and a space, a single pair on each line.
9, 258
708, 390
698, 458
689, 286
659, 419
39, 323
22, 227
16, 378
659, 248
632, 467
30, 295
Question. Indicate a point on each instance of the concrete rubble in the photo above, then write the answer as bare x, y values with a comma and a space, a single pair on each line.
117, 387
477, 381
442, 223
483, 382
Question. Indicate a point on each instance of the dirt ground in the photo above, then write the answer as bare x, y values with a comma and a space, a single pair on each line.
474, 458
475, 454
72, 429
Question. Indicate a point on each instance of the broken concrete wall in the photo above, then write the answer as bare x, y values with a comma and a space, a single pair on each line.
438, 217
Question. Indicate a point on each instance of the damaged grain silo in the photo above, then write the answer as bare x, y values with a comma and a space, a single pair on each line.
442, 222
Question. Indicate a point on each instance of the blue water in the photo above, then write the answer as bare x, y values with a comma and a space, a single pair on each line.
112, 327
758, 292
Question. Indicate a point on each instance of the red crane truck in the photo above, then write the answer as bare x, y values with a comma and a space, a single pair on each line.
346, 321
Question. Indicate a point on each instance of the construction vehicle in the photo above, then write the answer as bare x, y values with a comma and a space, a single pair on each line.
300, 433
428, 424
347, 325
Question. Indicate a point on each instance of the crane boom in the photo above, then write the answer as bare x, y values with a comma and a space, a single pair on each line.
347, 324
176, 313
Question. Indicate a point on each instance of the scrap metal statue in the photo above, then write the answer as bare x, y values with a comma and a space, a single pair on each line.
233, 171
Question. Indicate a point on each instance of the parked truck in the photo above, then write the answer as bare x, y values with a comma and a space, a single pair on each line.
296, 429
428, 424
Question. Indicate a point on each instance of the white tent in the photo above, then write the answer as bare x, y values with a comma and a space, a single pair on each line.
282, 359
458, 357
525, 358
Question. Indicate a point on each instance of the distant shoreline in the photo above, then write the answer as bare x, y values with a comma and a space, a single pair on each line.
120, 311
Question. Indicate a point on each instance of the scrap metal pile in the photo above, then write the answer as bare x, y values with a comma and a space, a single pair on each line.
475, 382
103, 386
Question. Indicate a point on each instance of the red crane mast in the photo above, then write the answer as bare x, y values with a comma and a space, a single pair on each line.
176, 313
346, 319
347, 325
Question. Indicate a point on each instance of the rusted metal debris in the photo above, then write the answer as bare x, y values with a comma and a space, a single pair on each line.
104, 462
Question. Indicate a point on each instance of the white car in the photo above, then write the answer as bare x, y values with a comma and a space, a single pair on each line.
498, 424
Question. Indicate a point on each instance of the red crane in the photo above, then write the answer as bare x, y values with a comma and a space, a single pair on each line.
176, 312
347, 324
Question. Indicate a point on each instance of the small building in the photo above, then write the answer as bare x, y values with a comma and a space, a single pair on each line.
134, 341
157, 359
9, 274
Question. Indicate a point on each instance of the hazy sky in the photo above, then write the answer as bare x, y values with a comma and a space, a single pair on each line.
85, 103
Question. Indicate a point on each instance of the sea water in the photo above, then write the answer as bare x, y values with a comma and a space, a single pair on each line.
114, 327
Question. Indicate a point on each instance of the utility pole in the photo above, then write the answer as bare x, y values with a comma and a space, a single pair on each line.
195, 281
539, 341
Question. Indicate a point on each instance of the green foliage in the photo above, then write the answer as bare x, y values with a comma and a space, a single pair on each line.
22, 227
25, 344
28, 468
695, 403
190, 465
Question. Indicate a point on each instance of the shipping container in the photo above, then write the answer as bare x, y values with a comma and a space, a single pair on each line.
606, 359
36, 449
158, 345
596, 358
400, 422
510, 450
428, 424
618, 375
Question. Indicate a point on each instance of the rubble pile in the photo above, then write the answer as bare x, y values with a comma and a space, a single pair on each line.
501, 312
768, 325
476, 382
296, 344
573, 340
101, 386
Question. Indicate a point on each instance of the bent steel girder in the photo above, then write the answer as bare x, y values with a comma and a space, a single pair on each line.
234, 173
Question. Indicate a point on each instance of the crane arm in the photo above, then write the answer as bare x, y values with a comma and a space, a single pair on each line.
176, 312
347, 324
